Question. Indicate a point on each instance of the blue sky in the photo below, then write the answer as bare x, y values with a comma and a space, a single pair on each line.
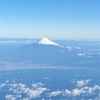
61, 19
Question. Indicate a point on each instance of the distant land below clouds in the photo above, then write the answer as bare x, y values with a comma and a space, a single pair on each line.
47, 52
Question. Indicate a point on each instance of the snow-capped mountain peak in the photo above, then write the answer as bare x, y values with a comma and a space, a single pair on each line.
46, 41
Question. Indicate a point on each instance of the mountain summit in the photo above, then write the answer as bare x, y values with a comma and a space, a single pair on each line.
46, 41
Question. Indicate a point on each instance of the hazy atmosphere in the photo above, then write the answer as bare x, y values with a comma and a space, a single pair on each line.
49, 49
60, 19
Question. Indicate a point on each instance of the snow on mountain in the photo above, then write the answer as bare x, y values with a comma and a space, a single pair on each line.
46, 41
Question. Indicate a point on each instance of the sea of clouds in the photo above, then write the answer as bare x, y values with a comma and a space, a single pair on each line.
39, 91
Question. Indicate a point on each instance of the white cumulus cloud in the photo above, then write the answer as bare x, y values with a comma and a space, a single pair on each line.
55, 93
12, 97
30, 92
81, 83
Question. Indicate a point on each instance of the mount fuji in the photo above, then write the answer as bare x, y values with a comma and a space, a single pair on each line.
41, 52
45, 41
47, 52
